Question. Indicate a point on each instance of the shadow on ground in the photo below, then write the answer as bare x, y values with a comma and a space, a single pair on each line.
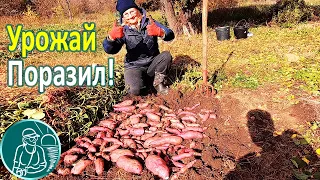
286, 156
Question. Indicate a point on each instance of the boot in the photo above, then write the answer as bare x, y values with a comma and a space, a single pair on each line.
158, 84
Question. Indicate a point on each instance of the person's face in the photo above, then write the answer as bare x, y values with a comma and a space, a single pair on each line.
31, 140
131, 16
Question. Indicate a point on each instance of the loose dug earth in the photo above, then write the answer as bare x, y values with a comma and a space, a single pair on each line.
243, 142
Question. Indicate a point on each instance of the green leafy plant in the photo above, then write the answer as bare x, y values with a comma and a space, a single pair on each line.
190, 79
244, 81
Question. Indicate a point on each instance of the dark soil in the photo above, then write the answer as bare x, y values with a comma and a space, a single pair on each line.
244, 141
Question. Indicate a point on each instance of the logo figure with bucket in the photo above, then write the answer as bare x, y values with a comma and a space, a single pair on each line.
34, 153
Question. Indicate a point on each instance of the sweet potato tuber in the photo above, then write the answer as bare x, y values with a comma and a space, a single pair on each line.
91, 156
130, 143
177, 164
134, 120
80, 166
113, 140
153, 116
97, 141
149, 140
64, 172
69, 159
177, 125
99, 165
89, 146
105, 156
140, 125
129, 165
137, 131
85, 139
75, 150
101, 135
165, 108
162, 147
157, 166
145, 150
142, 105
170, 115
123, 132
183, 170
192, 108
199, 129
204, 117
191, 135
108, 123
99, 129
136, 115
153, 128
192, 144
190, 125
189, 118
173, 131
154, 124
174, 140
120, 152
213, 116
186, 113
111, 148
125, 108
123, 104
147, 136
144, 111
182, 156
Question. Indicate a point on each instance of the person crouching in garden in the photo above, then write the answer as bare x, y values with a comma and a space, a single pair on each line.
143, 60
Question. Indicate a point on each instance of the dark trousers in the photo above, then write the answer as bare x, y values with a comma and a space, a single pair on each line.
139, 78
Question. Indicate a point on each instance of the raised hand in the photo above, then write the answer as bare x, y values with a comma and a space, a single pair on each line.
116, 32
154, 30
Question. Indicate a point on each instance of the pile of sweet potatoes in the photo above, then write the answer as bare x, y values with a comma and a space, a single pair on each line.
141, 132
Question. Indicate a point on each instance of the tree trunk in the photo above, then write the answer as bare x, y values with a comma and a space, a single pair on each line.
187, 11
170, 15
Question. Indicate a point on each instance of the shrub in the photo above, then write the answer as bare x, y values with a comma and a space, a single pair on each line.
149, 5
290, 12
12, 7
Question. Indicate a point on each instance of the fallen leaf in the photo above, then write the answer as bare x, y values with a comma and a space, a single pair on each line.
294, 136
305, 160
38, 115
298, 163
29, 112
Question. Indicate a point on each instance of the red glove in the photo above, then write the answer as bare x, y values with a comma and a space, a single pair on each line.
154, 30
116, 32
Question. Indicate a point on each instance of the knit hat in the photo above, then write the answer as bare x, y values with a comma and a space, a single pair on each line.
123, 5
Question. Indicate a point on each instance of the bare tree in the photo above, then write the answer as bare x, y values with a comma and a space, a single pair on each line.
69, 10
180, 22
170, 14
